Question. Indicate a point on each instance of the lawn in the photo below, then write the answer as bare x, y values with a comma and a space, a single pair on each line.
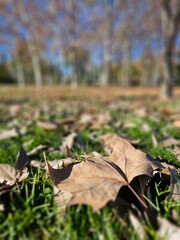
45, 121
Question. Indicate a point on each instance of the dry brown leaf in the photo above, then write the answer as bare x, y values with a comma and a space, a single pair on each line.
145, 127
47, 125
141, 111
168, 230
95, 121
96, 181
38, 164
167, 111
62, 198
138, 226
175, 116
100, 120
56, 164
66, 121
97, 155
176, 120
154, 140
174, 184
86, 118
2, 207
176, 123
14, 109
131, 160
10, 175
37, 150
109, 142
22, 160
68, 141
169, 141
176, 152
9, 133
23, 175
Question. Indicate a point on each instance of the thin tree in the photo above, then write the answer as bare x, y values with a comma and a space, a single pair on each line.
170, 17
31, 42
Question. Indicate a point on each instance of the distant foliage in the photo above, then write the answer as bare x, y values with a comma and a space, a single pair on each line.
91, 42
5, 75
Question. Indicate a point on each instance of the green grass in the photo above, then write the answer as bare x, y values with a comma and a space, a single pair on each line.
30, 209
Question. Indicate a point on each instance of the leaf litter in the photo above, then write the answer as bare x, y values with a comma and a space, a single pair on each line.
10, 175
95, 179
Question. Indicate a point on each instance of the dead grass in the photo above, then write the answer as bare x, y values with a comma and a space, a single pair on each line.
81, 92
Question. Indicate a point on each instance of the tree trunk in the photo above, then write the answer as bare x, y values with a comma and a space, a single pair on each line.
20, 74
35, 64
31, 46
72, 21
127, 63
19, 71
170, 23
106, 71
170, 37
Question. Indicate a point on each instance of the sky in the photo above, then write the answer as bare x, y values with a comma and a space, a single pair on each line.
96, 52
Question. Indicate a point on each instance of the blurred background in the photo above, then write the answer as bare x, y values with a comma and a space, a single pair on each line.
93, 42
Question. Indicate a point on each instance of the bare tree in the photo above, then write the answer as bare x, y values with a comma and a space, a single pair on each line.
19, 69
32, 47
108, 41
170, 17
11, 30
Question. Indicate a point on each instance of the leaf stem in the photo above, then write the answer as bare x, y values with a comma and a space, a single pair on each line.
140, 200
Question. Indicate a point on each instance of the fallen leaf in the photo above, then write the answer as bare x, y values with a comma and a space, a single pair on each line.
38, 164
96, 181
167, 111
168, 230
137, 225
174, 184
62, 198
131, 160
176, 123
109, 142
169, 141
95, 121
86, 118
22, 160
2, 207
56, 164
47, 125
10, 175
9, 133
14, 109
37, 150
68, 141
175, 120
23, 175
176, 152
100, 120
145, 127
154, 140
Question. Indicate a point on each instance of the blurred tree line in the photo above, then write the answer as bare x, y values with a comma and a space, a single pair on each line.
99, 42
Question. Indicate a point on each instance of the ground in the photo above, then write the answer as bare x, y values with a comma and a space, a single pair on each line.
46, 117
